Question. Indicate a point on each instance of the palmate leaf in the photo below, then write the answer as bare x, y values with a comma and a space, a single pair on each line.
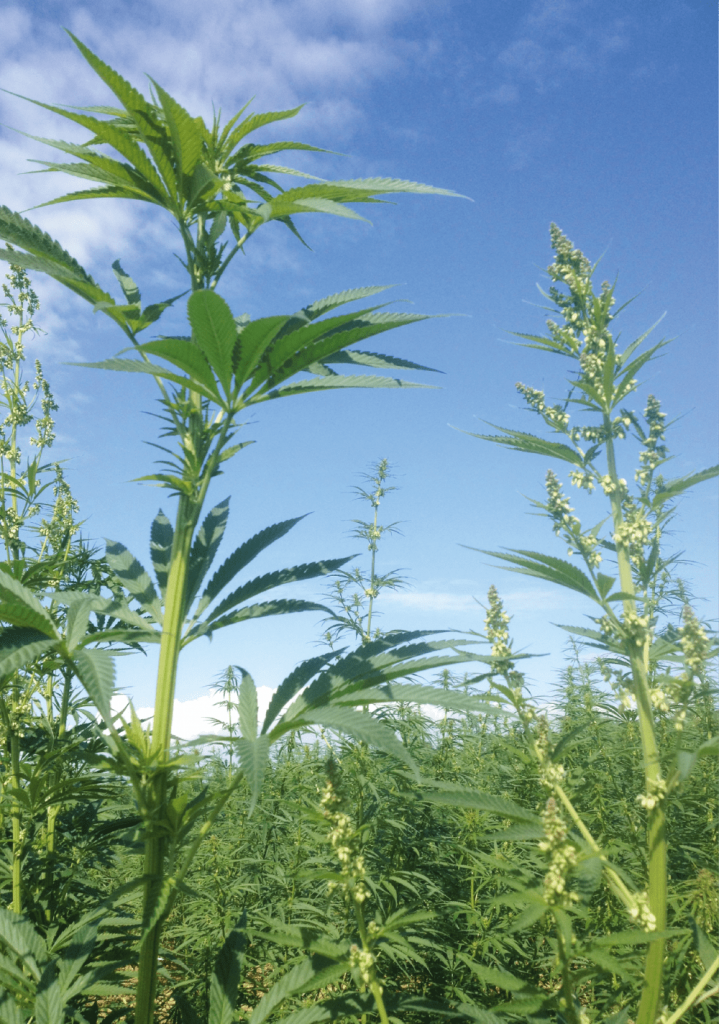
96, 671
204, 548
241, 557
298, 678
50, 998
271, 580
523, 442
20, 646
214, 331
546, 567
225, 979
253, 611
133, 577
307, 976
447, 794
187, 136
161, 537
365, 668
671, 488
20, 607
361, 727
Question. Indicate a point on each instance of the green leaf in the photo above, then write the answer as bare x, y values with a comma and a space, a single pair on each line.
204, 548
307, 976
298, 678
161, 538
136, 366
376, 359
671, 488
49, 1000
361, 727
253, 755
248, 706
129, 288
214, 331
325, 383
19, 936
253, 611
531, 444
20, 607
448, 794
241, 557
271, 580
20, 646
187, 137
226, 976
96, 671
322, 306
186, 356
546, 567
132, 575
253, 341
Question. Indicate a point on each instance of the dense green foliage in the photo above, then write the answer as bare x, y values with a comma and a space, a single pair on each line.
386, 844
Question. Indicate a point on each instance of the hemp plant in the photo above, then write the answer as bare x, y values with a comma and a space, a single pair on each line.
625, 572
353, 591
219, 190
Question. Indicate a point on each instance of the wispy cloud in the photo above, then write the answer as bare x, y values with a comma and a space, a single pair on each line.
555, 40
198, 716
325, 53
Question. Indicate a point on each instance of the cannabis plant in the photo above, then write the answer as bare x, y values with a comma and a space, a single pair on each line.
216, 186
651, 663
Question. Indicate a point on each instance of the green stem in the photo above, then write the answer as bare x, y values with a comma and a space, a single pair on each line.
656, 826
16, 824
372, 577
695, 992
188, 514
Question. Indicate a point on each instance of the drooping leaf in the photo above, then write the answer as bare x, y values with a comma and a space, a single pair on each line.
204, 548
307, 976
546, 567
253, 756
225, 979
361, 727
241, 557
20, 607
298, 678
133, 576
96, 671
531, 444
446, 794
20, 646
161, 538
248, 706
671, 488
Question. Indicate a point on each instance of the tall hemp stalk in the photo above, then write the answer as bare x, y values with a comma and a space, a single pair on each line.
220, 191
634, 640
34, 546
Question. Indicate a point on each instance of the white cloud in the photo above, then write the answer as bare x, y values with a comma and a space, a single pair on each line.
283, 52
193, 718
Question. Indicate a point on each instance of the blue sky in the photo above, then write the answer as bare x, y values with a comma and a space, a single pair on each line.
600, 116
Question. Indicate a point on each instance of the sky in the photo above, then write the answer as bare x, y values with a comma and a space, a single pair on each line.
594, 114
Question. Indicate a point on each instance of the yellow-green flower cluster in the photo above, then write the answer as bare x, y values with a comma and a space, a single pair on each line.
342, 838
655, 452
363, 961
562, 857
641, 913
694, 644
496, 623
558, 505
